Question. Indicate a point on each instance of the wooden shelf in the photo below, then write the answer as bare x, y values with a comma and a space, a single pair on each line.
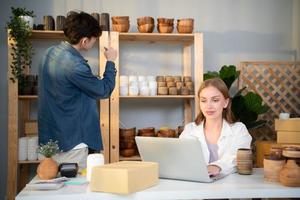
158, 37
150, 37
29, 161
37, 34
159, 97
132, 158
24, 97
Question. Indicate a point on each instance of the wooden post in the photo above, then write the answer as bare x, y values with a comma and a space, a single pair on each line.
198, 67
104, 103
187, 64
114, 107
12, 162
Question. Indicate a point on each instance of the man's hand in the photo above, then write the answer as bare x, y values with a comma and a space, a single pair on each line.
110, 54
213, 170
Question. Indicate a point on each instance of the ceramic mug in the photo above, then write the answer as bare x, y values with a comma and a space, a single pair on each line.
244, 161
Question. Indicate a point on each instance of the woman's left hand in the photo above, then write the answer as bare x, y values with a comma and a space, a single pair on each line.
213, 170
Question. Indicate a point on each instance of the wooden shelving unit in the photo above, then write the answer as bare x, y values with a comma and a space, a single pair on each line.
187, 41
109, 115
17, 115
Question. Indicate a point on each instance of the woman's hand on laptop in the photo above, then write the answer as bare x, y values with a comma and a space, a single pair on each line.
213, 170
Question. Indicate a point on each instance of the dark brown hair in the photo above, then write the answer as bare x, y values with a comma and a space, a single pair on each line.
80, 25
221, 86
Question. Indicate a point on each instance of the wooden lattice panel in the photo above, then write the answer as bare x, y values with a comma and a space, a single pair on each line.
278, 83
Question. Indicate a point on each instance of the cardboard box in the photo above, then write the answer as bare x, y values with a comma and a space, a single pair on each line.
288, 137
31, 128
292, 124
124, 177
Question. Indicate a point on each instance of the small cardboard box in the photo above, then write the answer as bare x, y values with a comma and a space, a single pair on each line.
292, 124
288, 137
31, 128
124, 177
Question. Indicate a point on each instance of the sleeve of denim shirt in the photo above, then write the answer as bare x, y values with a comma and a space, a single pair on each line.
92, 85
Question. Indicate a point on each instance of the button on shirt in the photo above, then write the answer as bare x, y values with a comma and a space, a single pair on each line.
67, 107
233, 136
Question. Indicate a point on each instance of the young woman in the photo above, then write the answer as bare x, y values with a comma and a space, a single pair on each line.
219, 134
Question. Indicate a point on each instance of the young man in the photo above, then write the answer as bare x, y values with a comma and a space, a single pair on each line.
67, 109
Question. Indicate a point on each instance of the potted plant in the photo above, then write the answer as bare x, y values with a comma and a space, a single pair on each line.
48, 168
19, 31
246, 106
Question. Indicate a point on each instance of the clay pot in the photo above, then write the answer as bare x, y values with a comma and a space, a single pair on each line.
272, 168
47, 169
290, 174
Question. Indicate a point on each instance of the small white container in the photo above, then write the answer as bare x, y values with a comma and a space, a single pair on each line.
123, 90
124, 79
284, 115
150, 78
144, 91
23, 145
134, 83
93, 160
152, 84
133, 90
141, 78
143, 84
32, 148
152, 91
133, 78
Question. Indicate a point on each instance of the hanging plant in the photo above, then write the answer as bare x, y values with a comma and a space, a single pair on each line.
22, 50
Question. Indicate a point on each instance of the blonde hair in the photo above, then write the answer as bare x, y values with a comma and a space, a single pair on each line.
221, 86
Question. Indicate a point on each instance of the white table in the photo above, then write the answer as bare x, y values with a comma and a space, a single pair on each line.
232, 186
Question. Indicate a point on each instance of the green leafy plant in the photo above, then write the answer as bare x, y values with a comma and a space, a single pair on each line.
22, 50
49, 149
245, 107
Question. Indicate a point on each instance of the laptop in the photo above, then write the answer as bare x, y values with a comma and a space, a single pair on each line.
180, 159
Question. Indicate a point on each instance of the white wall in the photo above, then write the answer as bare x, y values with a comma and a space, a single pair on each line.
233, 30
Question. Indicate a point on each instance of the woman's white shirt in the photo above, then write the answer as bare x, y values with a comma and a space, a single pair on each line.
233, 136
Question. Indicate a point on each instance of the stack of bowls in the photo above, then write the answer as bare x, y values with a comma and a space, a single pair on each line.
127, 142
145, 24
165, 25
185, 25
120, 23
166, 133
147, 132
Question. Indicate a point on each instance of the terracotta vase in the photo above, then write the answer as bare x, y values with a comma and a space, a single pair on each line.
290, 174
47, 169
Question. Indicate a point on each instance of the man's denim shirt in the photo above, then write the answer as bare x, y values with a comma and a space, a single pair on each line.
67, 109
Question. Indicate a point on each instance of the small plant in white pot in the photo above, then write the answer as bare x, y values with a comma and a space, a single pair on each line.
48, 168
